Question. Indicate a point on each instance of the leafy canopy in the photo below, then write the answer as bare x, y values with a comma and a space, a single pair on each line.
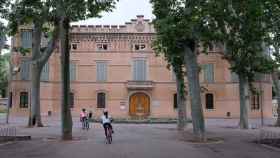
244, 28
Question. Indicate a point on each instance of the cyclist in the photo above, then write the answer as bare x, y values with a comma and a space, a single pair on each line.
106, 120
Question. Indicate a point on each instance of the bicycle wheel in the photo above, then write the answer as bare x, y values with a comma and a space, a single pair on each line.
109, 135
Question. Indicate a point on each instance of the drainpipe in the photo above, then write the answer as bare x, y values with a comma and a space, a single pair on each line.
262, 93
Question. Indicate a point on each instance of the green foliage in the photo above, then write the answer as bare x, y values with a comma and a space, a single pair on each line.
272, 16
244, 28
82, 9
4, 70
181, 23
2, 36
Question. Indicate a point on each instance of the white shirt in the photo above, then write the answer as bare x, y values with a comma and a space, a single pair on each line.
105, 120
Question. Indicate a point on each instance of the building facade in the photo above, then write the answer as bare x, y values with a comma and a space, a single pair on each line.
115, 67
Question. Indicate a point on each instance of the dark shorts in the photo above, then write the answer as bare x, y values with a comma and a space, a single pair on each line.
107, 125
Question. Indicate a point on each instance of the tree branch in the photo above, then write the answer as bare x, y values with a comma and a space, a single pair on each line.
50, 47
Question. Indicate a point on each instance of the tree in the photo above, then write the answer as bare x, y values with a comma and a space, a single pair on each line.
272, 15
2, 36
40, 15
244, 31
181, 27
3, 4
4, 67
69, 11
177, 63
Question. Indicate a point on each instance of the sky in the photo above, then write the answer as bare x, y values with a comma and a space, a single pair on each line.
125, 11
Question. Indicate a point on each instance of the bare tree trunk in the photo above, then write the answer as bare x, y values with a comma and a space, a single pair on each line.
181, 99
194, 90
66, 117
244, 101
39, 59
10, 77
275, 79
35, 76
35, 95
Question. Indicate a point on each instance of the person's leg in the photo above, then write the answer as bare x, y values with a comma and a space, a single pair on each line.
87, 123
105, 130
84, 122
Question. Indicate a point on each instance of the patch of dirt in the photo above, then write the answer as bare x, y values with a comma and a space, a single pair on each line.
190, 138
270, 142
58, 139
166, 128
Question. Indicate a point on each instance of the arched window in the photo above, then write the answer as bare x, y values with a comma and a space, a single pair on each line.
209, 101
101, 100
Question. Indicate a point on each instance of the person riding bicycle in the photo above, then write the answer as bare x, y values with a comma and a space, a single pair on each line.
106, 120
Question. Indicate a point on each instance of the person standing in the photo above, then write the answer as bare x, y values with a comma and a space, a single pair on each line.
83, 118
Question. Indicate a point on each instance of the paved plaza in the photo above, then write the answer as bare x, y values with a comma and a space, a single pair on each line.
135, 141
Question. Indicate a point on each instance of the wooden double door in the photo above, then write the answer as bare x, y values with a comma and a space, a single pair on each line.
139, 105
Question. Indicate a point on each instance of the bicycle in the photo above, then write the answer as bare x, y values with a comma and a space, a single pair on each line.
109, 138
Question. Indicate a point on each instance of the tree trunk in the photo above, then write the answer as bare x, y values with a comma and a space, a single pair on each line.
10, 77
35, 95
275, 79
244, 101
35, 76
65, 57
181, 100
39, 59
192, 68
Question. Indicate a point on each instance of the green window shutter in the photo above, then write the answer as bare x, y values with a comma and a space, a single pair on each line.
72, 71
26, 39
25, 70
139, 70
234, 77
208, 73
101, 71
45, 72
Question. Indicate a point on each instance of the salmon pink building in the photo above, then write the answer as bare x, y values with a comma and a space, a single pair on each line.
115, 67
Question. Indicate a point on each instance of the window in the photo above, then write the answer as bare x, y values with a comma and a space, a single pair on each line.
234, 77
26, 39
209, 100
175, 103
74, 46
71, 100
45, 72
102, 47
24, 70
255, 102
211, 47
173, 75
139, 47
208, 73
101, 71
72, 68
101, 100
139, 70
23, 100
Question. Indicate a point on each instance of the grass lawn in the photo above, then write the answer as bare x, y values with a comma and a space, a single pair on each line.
3, 109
